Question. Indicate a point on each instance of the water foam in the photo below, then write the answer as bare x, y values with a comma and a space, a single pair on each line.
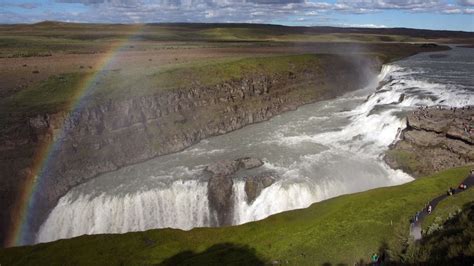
182, 205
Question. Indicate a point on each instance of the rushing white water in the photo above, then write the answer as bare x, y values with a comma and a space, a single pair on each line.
320, 151
184, 203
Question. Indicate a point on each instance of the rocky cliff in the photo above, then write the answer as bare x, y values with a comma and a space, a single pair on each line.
105, 136
434, 139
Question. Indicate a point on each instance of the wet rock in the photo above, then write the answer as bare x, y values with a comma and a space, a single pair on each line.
223, 167
220, 199
401, 98
249, 163
255, 184
220, 186
428, 45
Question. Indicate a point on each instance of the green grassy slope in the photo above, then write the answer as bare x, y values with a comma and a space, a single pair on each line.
345, 229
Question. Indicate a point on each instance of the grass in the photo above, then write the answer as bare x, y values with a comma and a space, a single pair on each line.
27, 46
345, 229
407, 161
215, 73
41, 38
54, 93
51, 95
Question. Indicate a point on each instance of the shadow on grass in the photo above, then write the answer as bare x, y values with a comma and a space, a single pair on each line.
219, 254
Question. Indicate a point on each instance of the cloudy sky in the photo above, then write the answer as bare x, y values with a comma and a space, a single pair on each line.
427, 14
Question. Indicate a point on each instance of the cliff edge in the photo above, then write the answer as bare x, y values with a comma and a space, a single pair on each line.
435, 139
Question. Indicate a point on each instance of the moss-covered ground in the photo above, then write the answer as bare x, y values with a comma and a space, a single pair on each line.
346, 229
407, 161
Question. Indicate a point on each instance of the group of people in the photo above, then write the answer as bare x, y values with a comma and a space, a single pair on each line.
462, 108
422, 111
416, 217
451, 191
468, 129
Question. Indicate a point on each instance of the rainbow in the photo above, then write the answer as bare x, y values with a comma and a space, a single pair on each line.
23, 211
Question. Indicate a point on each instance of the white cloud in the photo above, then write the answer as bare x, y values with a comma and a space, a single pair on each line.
392, 4
466, 2
452, 11
232, 10
364, 25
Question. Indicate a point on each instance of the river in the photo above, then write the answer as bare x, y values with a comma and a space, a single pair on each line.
319, 151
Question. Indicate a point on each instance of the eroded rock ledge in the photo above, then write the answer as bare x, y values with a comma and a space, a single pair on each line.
434, 139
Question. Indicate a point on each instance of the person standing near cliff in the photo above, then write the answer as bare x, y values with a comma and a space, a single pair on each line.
374, 259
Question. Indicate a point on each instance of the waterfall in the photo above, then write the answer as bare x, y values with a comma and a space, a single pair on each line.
182, 205
318, 152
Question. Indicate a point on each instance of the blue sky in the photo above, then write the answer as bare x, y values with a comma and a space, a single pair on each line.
426, 14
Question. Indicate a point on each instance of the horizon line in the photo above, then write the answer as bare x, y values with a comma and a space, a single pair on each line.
230, 23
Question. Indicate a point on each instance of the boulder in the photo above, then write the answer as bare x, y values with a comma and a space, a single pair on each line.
220, 199
255, 184
223, 167
249, 163
220, 186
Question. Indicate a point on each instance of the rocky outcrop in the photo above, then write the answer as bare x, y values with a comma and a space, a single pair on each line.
249, 163
223, 167
219, 187
220, 198
104, 136
434, 139
255, 184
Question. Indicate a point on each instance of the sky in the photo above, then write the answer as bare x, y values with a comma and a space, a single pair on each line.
427, 14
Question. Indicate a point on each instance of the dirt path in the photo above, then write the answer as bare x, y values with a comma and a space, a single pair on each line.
415, 227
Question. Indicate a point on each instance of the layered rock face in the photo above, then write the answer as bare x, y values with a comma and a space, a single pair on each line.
435, 139
105, 136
